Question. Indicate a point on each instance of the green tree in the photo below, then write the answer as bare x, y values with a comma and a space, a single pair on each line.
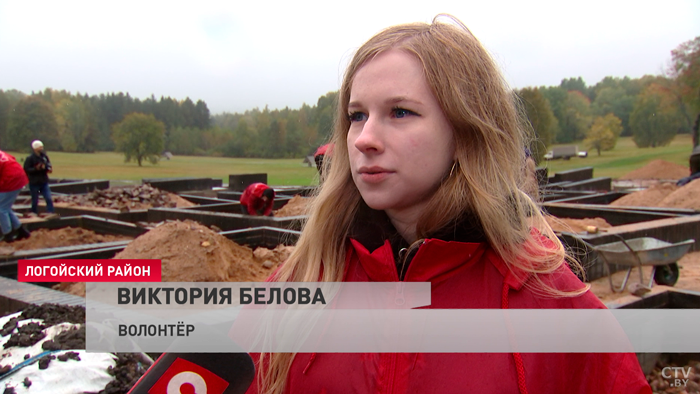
685, 70
656, 118
577, 84
577, 117
4, 118
76, 126
31, 119
557, 101
140, 137
540, 115
184, 140
614, 100
603, 134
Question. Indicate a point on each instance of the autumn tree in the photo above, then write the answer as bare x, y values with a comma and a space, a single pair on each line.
611, 98
76, 125
139, 137
32, 119
656, 119
541, 118
603, 134
577, 84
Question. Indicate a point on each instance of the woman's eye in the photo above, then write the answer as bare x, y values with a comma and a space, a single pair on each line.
357, 117
401, 113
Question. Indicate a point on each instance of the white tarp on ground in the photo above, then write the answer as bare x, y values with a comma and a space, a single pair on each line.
61, 377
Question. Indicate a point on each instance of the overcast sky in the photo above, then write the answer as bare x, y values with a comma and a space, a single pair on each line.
237, 55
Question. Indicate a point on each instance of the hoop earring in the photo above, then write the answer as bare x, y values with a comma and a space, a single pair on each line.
454, 164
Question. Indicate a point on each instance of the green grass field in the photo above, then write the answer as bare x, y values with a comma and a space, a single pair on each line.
625, 157
108, 165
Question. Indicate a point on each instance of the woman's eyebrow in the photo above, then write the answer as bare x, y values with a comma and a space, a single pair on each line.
401, 99
389, 101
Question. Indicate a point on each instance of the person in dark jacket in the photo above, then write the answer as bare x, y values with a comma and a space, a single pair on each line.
38, 167
257, 200
426, 186
12, 180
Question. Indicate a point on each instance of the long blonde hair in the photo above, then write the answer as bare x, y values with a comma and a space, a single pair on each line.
489, 136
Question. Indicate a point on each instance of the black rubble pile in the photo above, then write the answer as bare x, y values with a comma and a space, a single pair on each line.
126, 373
122, 199
53, 314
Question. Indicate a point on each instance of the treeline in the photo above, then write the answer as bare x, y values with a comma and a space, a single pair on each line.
651, 109
82, 123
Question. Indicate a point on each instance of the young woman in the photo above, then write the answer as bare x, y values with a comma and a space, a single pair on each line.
426, 185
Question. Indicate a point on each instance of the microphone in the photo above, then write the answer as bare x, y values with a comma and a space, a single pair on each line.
197, 373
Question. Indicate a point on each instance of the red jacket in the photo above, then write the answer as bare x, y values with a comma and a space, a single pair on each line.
252, 199
12, 176
464, 275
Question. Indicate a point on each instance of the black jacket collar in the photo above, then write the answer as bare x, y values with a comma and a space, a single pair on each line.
372, 228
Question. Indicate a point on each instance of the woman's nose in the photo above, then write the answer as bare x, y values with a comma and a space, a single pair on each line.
370, 138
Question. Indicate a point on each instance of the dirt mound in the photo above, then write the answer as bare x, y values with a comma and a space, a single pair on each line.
658, 169
295, 207
685, 197
191, 252
69, 236
650, 197
576, 225
664, 195
125, 199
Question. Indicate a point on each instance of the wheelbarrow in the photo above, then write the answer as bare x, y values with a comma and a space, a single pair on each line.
638, 252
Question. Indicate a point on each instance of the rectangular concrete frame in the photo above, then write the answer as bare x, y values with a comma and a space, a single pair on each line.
670, 299
238, 182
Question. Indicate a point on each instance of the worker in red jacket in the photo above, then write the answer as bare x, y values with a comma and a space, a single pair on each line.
322, 152
12, 180
257, 199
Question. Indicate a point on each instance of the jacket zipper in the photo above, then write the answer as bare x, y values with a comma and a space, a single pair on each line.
403, 258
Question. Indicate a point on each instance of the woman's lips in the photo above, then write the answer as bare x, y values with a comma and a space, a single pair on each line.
374, 174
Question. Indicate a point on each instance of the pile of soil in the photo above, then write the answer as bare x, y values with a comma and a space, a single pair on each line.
685, 197
124, 199
191, 252
660, 384
658, 169
68, 236
650, 197
294, 207
664, 195
576, 225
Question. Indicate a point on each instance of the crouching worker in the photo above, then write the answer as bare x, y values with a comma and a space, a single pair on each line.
12, 180
322, 152
257, 200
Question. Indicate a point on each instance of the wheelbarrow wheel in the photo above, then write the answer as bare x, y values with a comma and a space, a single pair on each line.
666, 275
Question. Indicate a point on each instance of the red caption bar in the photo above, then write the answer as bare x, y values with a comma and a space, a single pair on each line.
135, 270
